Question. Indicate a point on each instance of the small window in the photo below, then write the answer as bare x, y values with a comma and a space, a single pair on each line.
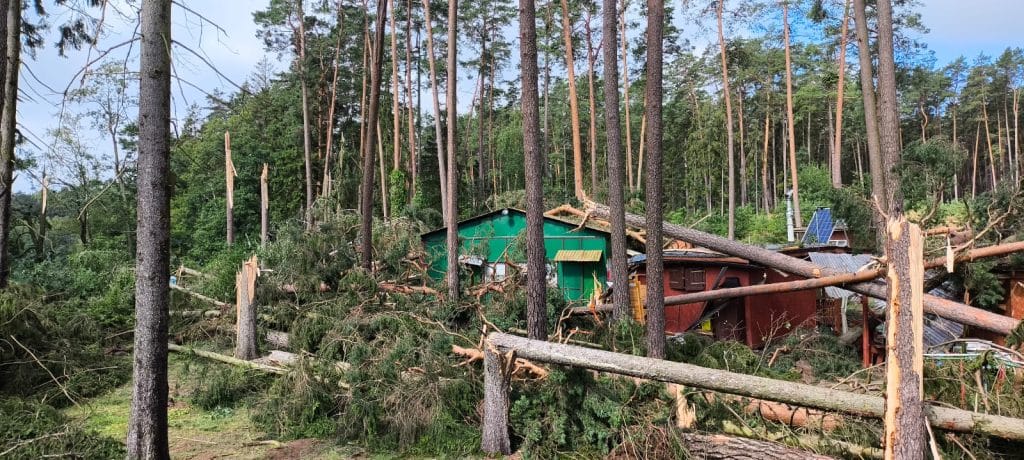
694, 279
677, 279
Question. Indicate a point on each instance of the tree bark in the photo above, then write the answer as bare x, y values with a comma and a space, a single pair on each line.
888, 109
654, 192
245, 310
765, 191
396, 110
438, 132
147, 422
867, 86
945, 308
616, 169
904, 405
837, 147
746, 385
791, 125
306, 142
452, 240
413, 109
625, 96
721, 447
495, 439
8, 127
574, 111
325, 185
592, 106
370, 123
727, 95
536, 279
229, 179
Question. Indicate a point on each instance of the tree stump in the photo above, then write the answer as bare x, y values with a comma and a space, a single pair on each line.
245, 310
496, 380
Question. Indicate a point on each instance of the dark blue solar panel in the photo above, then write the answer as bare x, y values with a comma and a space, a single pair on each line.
819, 230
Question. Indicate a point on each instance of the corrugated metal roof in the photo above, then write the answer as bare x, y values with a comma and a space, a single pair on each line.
578, 255
842, 263
937, 330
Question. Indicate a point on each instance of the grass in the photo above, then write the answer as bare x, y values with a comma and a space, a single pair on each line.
198, 433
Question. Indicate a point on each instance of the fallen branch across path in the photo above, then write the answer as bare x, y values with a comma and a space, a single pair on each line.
227, 359
199, 296
955, 311
745, 385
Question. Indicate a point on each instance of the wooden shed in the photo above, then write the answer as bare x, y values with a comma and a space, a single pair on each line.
494, 243
750, 320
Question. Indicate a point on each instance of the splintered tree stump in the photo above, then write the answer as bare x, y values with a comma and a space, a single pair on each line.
245, 285
495, 438
716, 446
904, 407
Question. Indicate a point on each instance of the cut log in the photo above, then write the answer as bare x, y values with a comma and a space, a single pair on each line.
718, 446
199, 296
746, 385
905, 434
226, 359
955, 311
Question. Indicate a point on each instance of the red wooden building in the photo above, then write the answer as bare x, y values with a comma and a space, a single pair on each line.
750, 320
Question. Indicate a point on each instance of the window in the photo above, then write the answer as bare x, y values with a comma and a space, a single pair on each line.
677, 279
694, 279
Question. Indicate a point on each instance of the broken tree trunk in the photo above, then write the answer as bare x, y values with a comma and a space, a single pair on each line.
264, 207
496, 380
945, 308
245, 293
718, 446
904, 405
745, 385
229, 179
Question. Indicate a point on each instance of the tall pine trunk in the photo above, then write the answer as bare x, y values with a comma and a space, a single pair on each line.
867, 87
727, 95
574, 110
452, 240
592, 107
625, 99
616, 169
888, 108
791, 125
147, 421
325, 186
413, 153
655, 289
11, 25
442, 172
306, 141
536, 281
371, 144
837, 146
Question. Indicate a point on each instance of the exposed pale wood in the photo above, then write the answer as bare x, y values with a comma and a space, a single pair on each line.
746, 385
226, 359
474, 354
229, 179
905, 435
791, 124
264, 207
574, 111
854, 450
401, 288
199, 296
945, 308
245, 309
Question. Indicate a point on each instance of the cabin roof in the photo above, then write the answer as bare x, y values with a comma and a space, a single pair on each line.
520, 212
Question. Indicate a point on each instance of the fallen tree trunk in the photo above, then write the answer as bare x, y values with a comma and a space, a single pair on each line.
955, 311
196, 313
719, 446
747, 385
226, 359
200, 296
804, 441
841, 279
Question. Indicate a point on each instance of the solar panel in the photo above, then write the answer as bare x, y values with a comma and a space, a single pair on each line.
819, 230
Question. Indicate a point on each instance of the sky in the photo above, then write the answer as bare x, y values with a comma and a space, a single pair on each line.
226, 38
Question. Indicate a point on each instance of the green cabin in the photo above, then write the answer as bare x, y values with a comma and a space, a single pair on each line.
577, 256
